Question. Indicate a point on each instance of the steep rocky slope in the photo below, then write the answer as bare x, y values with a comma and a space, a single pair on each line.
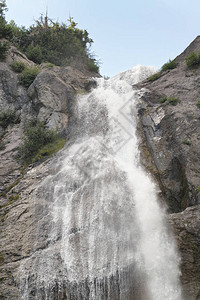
49, 99
170, 144
172, 132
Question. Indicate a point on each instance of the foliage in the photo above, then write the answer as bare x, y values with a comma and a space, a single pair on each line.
48, 41
2, 147
13, 198
28, 76
5, 30
39, 142
193, 60
12, 185
49, 149
1, 258
198, 104
92, 65
198, 189
186, 142
48, 65
170, 100
154, 77
163, 99
53, 42
6, 118
34, 53
3, 50
18, 66
18, 33
173, 100
3, 8
171, 64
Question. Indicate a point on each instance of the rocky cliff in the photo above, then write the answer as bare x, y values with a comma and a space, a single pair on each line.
49, 99
169, 142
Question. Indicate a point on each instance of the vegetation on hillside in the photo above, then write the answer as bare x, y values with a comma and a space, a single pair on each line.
169, 100
48, 41
17, 66
39, 142
193, 60
171, 64
6, 118
28, 75
154, 77
5, 29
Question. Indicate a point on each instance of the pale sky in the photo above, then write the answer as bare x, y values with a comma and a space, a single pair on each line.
125, 33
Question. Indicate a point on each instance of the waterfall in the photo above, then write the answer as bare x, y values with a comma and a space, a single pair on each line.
101, 232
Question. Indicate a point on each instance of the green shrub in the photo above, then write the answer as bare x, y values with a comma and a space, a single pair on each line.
34, 54
154, 76
3, 50
39, 142
13, 198
5, 29
163, 99
173, 100
193, 60
171, 64
198, 104
48, 65
18, 66
53, 42
186, 142
92, 66
49, 149
28, 76
6, 118
2, 145
198, 189
1, 258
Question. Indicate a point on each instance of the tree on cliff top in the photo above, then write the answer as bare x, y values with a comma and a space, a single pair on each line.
48, 41
5, 30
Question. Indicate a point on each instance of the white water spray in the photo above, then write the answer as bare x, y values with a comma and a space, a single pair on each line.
108, 237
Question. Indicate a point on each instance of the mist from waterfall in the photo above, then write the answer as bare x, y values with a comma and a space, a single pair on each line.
107, 233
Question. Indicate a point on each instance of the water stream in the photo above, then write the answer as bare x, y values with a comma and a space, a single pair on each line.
101, 233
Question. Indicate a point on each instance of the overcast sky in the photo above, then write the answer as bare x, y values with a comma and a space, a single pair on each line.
125, 32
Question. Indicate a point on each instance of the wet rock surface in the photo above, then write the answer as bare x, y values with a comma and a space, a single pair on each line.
49, 99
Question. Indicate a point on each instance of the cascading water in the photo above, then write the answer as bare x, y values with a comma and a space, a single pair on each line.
101, 232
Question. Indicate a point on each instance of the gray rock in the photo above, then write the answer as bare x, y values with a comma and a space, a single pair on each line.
170, 146
171, 134
186, 227
50, 97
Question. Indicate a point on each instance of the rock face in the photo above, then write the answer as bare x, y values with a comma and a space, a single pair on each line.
172, 132
170, 145
48, 99
186, 227
169, 141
